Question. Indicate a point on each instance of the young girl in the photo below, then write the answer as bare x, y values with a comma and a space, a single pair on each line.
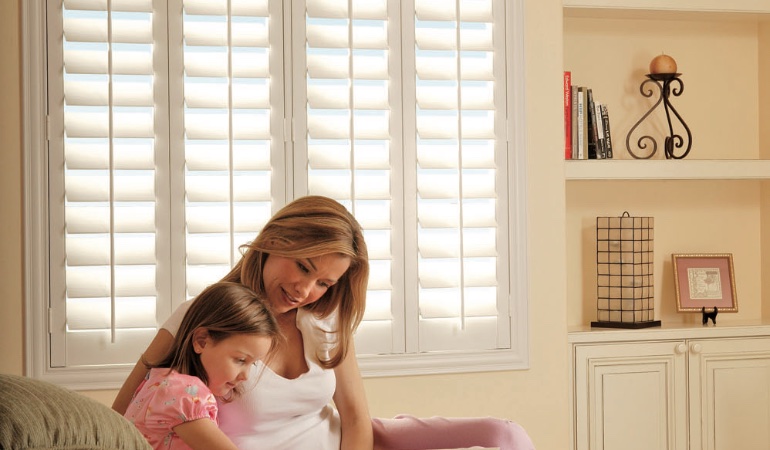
226, 330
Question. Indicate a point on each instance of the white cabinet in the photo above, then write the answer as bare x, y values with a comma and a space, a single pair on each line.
682, 388
729, 389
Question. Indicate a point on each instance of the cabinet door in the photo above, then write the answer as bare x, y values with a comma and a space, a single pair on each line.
631, 396
730, 394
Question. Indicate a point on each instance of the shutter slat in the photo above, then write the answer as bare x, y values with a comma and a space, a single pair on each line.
208, 249
216, 188
257, 8
95, 188
91, 250
445, 68
95, 30
246, 157
474, 333
208, 126
336, 9
94, 348
117, 5
96, 125
446, 39
446, 303
445, 98
124, 62
94, 281
95, 155
470, 11
211, 34
96, 219
94, 313
96, 94
204, 218
336, 67
336, 36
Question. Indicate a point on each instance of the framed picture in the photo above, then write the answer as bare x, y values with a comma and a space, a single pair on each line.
704, 280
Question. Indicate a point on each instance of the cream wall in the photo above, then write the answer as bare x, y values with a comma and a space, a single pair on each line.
11, 262
763, 55
536, 398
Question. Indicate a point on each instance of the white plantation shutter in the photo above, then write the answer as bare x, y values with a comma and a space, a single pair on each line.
461, 160
430, 137
177, 128
351, 141
105, 222
168, 157
232, 155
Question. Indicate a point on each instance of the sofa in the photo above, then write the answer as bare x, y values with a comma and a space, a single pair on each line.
37, 415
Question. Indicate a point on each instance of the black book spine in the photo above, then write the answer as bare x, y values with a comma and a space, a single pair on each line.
606, 123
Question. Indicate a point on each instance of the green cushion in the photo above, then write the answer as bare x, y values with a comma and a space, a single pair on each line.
38, 415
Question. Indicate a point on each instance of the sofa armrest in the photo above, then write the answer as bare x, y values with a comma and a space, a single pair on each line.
36, 414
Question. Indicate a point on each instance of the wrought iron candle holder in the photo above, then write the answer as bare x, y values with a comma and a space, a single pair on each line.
673, 142
624, 272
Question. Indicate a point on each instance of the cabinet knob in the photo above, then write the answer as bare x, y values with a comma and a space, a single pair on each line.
680, 348
696, 348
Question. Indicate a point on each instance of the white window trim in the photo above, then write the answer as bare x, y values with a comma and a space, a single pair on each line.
36, 322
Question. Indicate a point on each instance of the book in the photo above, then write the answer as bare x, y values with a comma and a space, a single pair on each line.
601, 150
606, 125
567, 87
581, 127
591, 126
574, 132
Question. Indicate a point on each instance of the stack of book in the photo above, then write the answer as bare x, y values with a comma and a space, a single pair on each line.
586, 123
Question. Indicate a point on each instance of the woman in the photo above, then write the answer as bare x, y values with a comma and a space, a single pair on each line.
310, 262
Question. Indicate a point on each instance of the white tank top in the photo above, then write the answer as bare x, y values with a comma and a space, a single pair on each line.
277, 413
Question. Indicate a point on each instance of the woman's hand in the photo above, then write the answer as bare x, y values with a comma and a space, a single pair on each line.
350, 400
155, 352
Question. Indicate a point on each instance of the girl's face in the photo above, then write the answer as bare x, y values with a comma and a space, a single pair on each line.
229, 361
291, 282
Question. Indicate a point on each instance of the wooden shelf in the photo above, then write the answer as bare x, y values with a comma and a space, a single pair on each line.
669, 331
718, 6
748, 169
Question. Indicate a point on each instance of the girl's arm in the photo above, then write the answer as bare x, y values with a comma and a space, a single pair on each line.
155, 351
350, 400
203, 434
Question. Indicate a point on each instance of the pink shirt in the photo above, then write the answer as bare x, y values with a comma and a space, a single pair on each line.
166, 399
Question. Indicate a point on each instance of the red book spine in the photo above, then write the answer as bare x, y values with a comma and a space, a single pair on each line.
567, 114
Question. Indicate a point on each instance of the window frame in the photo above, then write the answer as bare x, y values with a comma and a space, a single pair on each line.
36, 243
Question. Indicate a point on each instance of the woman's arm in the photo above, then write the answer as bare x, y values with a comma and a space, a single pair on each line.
203, 434
350, 400
155, 352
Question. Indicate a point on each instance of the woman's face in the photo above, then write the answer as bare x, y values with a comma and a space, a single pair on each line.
294, 282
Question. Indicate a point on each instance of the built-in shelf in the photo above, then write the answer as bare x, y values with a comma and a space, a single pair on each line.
672, 331
662, 169
719, 6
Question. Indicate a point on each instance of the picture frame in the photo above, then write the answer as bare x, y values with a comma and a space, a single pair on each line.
704, 280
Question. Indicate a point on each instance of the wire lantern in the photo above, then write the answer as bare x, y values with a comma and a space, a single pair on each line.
624, 272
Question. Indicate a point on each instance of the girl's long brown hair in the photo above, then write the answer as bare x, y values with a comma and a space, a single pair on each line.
309, 227
222, 309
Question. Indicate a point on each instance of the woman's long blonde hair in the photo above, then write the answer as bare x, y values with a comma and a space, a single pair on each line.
309, 227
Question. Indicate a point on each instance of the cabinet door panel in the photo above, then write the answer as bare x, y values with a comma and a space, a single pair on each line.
730, 394
630, 396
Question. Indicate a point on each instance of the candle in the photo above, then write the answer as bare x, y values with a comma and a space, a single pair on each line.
662, 64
